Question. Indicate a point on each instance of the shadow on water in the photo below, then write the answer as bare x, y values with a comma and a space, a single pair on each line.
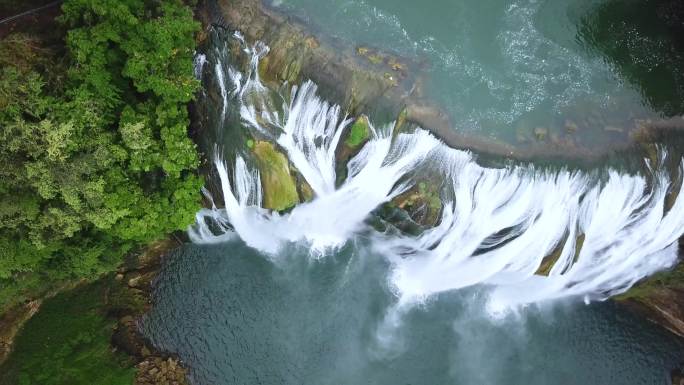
644, 41
237, 317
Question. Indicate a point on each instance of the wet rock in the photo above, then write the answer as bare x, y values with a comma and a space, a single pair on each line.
550, 260
353, 139
650, 131
389, 217
306, 193
358, 133
400, 123
428, 116
127, 339
396, 65
570, 126
541, 133
422, 203
663, 306
161, 371
134, 279
311, 42
280, 191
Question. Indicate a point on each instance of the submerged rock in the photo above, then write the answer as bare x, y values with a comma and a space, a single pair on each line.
541, 133
280, 190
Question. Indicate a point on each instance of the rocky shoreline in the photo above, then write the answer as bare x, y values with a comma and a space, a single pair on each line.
136, 276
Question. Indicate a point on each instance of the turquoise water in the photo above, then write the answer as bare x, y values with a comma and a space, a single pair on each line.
501, 69
236, 317
505, 68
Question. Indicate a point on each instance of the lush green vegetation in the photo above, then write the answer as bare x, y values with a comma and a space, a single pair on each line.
94, 146
669, 279
67, 343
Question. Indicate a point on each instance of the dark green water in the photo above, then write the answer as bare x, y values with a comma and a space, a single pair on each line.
238, 318
585, 71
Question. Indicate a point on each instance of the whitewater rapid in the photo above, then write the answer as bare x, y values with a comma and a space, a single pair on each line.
497, 225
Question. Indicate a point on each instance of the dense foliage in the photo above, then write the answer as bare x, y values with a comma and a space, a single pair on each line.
95, 153
67, 343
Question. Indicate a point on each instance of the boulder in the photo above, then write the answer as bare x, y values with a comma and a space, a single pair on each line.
280, 190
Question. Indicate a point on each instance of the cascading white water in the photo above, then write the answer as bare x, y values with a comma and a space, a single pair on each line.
497, 225
500, 224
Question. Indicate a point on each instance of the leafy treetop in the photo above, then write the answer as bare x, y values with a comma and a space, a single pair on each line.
97, 161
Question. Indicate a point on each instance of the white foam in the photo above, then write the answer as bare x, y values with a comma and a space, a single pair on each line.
497, 225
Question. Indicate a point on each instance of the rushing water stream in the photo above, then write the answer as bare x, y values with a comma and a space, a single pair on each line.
317, 295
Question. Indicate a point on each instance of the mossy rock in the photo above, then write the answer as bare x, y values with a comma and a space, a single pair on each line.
400, 124
551, 259
658, 284
358, 133
280, 190
422, 203
306, 193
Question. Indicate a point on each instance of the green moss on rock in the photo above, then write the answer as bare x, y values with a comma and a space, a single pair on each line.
672, 279
358, 133
422, 203
306, 192
551, 259
280, 190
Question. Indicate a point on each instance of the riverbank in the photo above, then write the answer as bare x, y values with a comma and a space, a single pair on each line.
96, 322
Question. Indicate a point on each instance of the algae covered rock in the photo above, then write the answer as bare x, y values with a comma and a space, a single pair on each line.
354, 139
358, 133
280, 190
550, 260
422, 203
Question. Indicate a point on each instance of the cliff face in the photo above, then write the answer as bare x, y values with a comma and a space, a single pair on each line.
660, 298
664, 306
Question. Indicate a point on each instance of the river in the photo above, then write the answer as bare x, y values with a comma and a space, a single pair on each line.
318, 294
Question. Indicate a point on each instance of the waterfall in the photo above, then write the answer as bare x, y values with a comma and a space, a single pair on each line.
496, 228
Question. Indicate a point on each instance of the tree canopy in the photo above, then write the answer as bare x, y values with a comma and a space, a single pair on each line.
94, 149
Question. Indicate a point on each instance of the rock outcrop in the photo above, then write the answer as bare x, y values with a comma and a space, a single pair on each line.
135, 280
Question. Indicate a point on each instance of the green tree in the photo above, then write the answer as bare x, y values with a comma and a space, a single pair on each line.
98, 161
